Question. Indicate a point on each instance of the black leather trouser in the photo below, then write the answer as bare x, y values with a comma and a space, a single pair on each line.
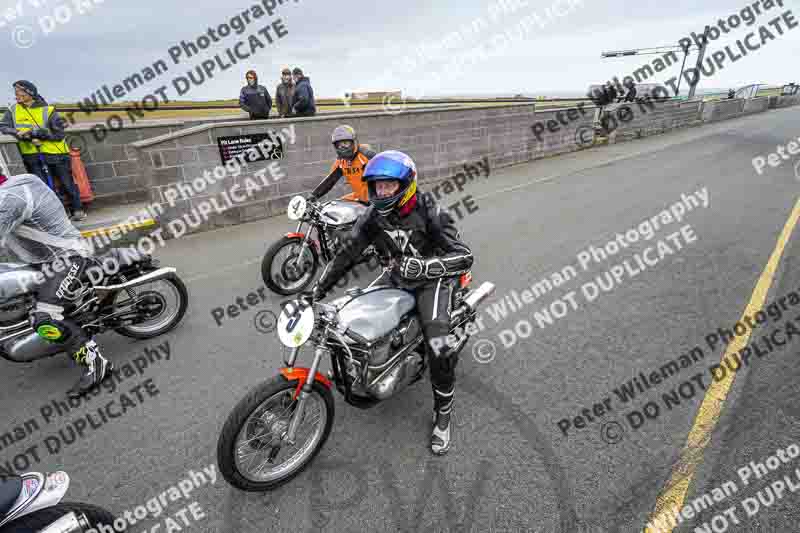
434, 305
54, 302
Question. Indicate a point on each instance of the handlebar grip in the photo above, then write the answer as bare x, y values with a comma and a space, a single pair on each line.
335, 219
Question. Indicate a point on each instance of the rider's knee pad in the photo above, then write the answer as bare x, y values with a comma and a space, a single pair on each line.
48, 328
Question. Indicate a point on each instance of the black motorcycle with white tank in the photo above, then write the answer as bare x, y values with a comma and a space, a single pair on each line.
31, 503
140, 300
376, 349
290, 265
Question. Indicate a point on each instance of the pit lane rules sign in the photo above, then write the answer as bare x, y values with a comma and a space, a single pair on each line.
251, 148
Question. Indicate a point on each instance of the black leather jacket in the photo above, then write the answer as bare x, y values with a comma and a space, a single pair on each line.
428, 232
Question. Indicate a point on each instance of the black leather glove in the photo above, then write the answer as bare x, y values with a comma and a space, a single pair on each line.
414, 268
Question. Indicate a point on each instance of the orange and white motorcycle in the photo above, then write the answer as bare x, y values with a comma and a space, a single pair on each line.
291, 264
376, 349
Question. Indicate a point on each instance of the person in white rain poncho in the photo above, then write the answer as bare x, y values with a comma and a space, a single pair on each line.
35, 228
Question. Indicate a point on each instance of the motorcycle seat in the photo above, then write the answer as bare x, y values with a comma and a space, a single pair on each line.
10, 490
112, 254
376, 313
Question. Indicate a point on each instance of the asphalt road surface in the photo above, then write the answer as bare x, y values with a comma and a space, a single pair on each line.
520, 461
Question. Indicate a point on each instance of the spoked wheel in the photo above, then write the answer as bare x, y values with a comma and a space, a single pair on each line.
252, 452
285, 271
160, 306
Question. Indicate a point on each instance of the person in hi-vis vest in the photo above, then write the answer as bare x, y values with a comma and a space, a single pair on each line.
40, 130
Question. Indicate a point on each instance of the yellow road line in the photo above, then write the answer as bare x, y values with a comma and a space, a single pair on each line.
673, 495
128, 227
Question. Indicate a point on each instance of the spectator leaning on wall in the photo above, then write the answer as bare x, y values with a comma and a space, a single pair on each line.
40, 130
612, 93
631, 96
254, 98
284, 93
303, 104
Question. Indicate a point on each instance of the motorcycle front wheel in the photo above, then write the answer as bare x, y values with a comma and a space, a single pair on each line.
290, 274
35, 522
251, 453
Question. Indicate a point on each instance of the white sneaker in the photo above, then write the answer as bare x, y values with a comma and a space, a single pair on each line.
440, 438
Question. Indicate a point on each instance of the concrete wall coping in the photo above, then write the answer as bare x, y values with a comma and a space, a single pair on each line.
7, 139
320, 117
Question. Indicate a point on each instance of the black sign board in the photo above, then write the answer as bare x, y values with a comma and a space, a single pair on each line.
251, 148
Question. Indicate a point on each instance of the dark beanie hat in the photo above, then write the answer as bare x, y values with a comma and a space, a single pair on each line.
28, 87
297, 71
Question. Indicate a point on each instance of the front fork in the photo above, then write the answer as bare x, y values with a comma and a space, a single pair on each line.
305, 390
304, 245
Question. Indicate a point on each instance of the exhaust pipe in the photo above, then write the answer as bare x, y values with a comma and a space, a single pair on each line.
70, 523
155, 275
474, 298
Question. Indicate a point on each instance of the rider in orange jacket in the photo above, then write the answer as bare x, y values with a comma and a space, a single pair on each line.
353, 158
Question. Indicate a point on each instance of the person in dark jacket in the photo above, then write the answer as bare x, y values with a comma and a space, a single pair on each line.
40, 131
303, 103
284, 94
612, 93
254, 98
420, 239
631, 95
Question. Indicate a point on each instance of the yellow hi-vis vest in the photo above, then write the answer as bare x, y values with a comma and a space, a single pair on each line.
26, 119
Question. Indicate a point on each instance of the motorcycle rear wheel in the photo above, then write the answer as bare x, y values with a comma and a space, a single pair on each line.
244, 431
42, 518
167, 318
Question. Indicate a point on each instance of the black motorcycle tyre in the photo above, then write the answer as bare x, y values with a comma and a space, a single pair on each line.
42, 518
183, 293
269, 257
226, 447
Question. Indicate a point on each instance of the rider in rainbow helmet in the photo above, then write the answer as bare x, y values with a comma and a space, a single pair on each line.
428, 256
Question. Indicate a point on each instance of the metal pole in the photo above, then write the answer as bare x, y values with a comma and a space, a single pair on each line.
699, 62
685, 56
3, 165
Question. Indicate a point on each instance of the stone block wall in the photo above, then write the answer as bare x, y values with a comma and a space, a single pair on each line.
439, 141
111, 163
645, 119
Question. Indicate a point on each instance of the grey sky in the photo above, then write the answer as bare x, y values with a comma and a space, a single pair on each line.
373, 46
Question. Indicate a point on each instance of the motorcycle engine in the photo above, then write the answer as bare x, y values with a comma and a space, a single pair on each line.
392, 365
15, 310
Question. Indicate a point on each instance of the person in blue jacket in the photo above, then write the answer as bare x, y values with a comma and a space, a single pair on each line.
303, 104
254, 98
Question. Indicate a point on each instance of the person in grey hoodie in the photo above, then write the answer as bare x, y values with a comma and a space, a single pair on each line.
34, 227
40, 130
284, 94
254, 98
303, 103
